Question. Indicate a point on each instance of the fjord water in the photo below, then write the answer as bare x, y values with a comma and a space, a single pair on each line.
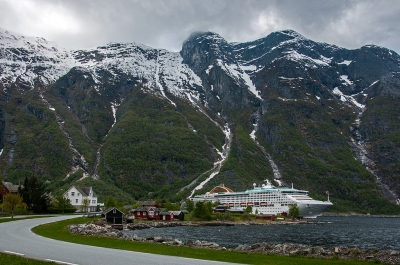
327, 232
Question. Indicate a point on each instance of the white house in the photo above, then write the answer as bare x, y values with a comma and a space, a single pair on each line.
77, 195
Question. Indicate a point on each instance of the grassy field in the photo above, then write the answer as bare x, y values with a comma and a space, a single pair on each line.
59, 231
17, 260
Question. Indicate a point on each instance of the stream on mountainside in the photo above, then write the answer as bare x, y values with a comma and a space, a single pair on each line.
274, 166
361, 153
77, 157
217, 165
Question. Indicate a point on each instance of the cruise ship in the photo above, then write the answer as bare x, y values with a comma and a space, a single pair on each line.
266, 199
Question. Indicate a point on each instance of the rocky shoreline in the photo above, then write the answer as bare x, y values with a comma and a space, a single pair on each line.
147, 225
100, 228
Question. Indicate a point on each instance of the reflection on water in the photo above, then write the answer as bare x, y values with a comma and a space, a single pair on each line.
360, 232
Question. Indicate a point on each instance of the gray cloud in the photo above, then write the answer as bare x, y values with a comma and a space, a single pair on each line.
166, 24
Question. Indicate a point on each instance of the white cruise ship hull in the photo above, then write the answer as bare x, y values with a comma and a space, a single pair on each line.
312, 210
268, 200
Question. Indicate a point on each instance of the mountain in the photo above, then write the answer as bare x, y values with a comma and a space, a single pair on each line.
137, 122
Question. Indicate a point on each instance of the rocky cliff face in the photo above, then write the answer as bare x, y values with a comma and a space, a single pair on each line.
314, 114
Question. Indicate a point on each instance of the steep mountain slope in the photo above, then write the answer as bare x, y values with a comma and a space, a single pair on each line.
138, 122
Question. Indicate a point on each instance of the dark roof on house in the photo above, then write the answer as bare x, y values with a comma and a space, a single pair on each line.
85, 191
110, 209
147, 203
167, 213
127, 207
10, 187
145, 209
177, 212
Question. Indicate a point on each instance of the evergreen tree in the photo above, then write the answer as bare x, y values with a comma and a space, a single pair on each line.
110, 202
33, 195
203, 211
248, 210
189, 206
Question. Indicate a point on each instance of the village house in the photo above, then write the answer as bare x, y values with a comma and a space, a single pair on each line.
84, 199
148, 210
171, 216
166, 216
7, 187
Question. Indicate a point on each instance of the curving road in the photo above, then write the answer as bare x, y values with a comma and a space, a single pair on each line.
16, 237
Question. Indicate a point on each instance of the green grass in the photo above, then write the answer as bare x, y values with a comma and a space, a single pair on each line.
59, 231
17, 260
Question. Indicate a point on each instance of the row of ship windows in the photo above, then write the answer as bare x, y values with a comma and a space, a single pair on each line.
255, 205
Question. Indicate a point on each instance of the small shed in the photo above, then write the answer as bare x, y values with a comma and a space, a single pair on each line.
113, 215
266, 217
166, 216
179, 215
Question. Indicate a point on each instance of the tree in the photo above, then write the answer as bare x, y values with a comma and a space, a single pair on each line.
63, 204
85, 204
110, 202
189, 206
168, 206
13, 202
294, 211
34, 195
203, 210
248, 210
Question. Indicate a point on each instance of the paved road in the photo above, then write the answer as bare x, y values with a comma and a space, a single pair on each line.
17, 237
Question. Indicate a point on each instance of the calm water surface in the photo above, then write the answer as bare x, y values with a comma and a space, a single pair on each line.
360, 232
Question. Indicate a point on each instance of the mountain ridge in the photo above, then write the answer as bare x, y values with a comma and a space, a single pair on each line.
250, 95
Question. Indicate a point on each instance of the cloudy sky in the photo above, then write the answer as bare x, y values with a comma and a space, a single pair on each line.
167, 23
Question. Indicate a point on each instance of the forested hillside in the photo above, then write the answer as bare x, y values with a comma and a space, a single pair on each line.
141, 123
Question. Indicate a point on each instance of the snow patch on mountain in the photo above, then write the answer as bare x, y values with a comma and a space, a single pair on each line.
32, 61
373, 83
239, 75
346, 62
346, 80
209, 69
114, 108
309, 62
347, 99
178, 78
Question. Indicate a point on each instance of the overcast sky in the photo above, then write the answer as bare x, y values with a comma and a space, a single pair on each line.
166, 24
